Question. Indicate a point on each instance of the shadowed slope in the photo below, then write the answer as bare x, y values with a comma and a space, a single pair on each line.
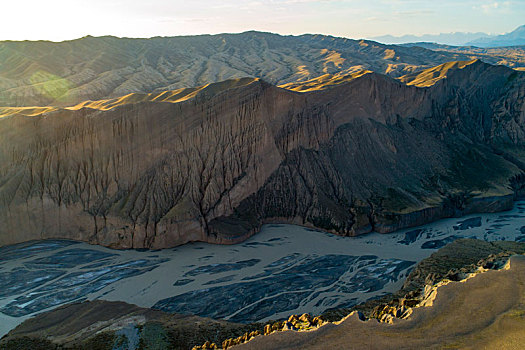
67, 73
368, 153
98, 324
174, 96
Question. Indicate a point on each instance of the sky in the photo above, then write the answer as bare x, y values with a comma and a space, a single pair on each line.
59, 20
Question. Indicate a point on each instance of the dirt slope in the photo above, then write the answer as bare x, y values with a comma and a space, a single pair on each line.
42, 73
216, 162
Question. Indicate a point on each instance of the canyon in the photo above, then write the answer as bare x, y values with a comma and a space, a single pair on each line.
89, 304
273, 275
349, 155
201, 191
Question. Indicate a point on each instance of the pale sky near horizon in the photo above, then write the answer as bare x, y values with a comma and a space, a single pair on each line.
69, 19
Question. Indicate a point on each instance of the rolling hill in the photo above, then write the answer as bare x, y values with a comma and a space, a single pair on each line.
94, 68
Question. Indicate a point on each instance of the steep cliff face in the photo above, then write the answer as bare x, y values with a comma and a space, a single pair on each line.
402, 156
126, 169
213, 165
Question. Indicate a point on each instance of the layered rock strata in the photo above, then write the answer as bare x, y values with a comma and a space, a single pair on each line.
215, 163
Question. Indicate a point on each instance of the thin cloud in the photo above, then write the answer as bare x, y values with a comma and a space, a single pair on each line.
495, 6
416, 12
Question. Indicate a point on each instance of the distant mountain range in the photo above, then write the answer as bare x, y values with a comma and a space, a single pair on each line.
479, 39
514, 38
456, 39
158, 142
92, 68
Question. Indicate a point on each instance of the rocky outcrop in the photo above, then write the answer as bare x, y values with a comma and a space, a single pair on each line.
216, 163
453, 262
456, 314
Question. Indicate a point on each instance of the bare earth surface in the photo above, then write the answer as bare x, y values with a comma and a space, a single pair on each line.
283, 270
36, 73
356, 154
484, 312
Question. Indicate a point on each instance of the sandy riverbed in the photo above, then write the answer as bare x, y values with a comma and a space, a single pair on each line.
282, 270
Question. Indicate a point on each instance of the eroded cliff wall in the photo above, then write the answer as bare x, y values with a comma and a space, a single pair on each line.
371, 153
